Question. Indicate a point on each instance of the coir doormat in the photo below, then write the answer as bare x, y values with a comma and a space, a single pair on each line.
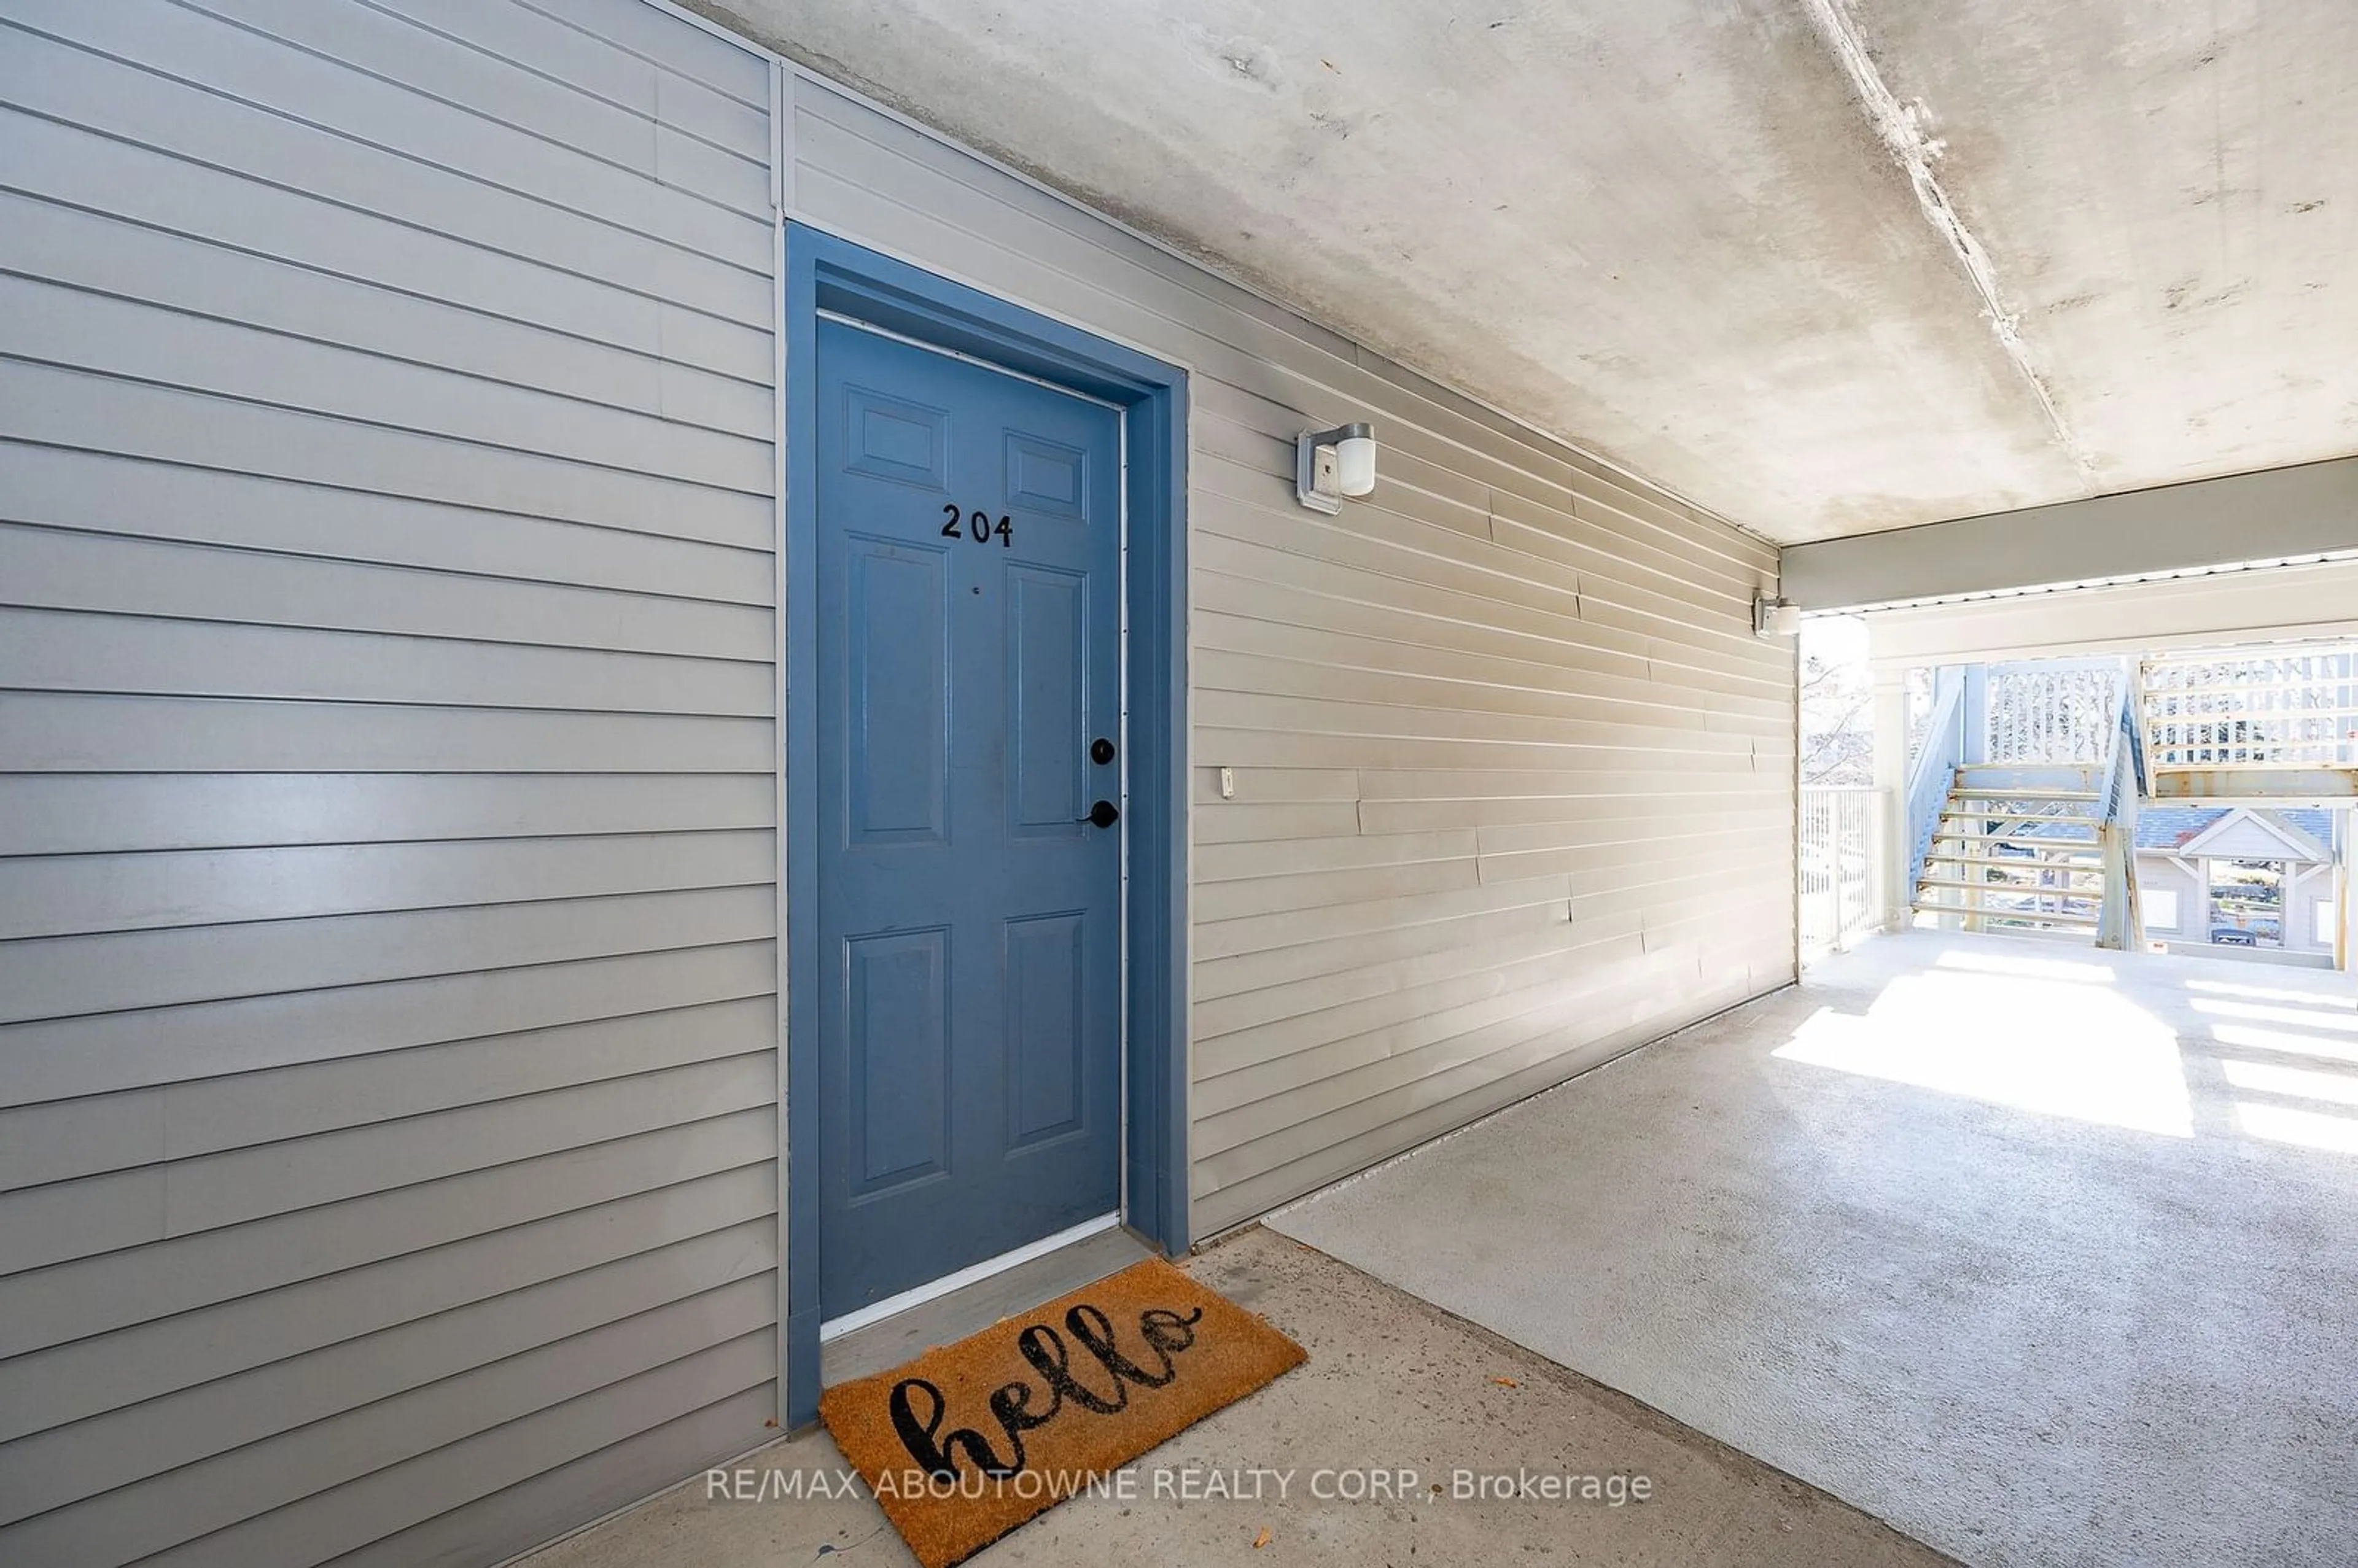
968, 1441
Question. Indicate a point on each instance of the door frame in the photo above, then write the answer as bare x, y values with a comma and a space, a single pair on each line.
826, 273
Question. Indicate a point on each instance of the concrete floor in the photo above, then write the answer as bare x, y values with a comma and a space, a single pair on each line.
1391, 1384
2042, 1254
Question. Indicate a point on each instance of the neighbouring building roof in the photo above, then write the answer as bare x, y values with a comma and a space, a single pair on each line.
2168, 828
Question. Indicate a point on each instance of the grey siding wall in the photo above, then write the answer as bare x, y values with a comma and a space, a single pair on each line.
1514, 779
387, 725
388, 1026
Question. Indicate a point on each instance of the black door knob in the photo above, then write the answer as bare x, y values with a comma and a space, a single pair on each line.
1102, 815
1101, 751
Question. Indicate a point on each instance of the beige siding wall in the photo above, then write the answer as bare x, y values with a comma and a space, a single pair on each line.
1514, 779
387, 1015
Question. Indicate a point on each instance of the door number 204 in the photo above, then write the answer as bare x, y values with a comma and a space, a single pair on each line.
976, 526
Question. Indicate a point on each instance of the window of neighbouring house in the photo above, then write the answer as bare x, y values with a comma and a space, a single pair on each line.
2323, 922
2247, 905
2161, 909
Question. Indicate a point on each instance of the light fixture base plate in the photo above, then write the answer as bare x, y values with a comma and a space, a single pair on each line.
1316, 482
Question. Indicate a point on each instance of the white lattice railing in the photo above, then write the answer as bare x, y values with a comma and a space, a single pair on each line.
1840, 834
2296, 707
2052, 713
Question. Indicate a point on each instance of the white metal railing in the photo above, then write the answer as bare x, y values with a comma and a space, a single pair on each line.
1954, 709
2117, 921
1923, 687
1842, 828
2052, 711
2213, 711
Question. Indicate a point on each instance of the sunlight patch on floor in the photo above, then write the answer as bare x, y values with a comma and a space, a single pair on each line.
2302, 1083
2262, 1013
2309, 1129
2250, 1039
2272, 993
2054, 1046
2015, 965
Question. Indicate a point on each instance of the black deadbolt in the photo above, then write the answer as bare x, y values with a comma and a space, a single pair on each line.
1102, 815
1101, 751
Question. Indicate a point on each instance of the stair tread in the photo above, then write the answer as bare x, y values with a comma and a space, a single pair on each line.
2088, 895
2012, 914
1979, 893
2051, 852
2025, 863
1956, 874
2079, 817
2086, 769
2071, 817
2001, 792
2014, 889
2048, 849
2084, 841
1972, 898
2087, 842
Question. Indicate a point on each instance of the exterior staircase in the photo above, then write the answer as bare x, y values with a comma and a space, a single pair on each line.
2018, 848
2021, 796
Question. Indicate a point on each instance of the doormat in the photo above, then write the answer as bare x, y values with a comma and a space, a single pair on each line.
969, 1440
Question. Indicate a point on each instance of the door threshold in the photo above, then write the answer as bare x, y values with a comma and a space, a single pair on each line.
950, 1309
877, 1312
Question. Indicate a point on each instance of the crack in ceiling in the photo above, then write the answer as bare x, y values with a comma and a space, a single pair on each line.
1901, 128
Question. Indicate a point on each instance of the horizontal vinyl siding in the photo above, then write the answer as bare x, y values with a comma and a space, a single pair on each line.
388, 907
1514, 778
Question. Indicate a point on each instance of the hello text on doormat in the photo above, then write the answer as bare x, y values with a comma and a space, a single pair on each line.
968, 1441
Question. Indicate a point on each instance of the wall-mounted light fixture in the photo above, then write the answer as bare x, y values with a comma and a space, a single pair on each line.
1331, 464
1775, 617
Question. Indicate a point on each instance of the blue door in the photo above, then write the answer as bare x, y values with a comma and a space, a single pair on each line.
969, 867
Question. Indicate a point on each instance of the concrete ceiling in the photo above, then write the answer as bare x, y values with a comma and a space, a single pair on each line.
1823, 267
